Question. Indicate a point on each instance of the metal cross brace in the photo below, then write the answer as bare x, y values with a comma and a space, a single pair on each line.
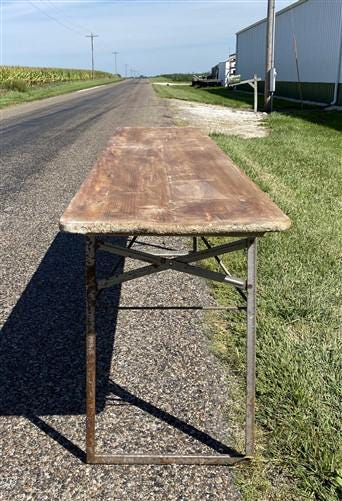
223, 267
161, 262
179, 261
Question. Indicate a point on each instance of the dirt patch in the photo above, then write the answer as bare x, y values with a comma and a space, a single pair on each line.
220, 119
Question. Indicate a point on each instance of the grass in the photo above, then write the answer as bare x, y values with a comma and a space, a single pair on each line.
10, 97
172, 77
299, 358
159, 79
164, 80
220, 96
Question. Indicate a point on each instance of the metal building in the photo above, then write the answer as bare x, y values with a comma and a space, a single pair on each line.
308, 51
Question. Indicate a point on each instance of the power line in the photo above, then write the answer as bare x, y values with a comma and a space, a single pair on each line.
74, 27
76, 24
54, 19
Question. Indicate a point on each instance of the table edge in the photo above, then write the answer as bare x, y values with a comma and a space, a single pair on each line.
84, 228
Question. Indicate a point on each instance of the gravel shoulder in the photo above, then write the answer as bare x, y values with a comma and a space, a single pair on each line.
159, 386
219, 119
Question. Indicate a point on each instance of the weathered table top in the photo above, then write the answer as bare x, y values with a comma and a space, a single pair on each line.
169, 181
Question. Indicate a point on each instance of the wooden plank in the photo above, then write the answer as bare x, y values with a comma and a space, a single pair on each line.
169, 181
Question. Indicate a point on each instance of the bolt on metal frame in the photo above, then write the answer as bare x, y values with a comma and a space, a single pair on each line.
181, 262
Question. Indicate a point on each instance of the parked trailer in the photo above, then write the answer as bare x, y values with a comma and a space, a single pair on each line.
198, 81
221, 72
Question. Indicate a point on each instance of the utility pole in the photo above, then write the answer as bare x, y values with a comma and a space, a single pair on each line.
269, 68
126, 67
92, 36
115, 54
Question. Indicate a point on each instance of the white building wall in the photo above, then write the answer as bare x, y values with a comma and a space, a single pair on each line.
250, 52
317, 27
223, 72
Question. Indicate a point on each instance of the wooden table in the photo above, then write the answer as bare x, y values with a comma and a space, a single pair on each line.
170, 181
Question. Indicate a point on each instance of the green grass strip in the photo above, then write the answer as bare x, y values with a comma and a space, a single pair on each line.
11, 97
299, 362
220, 96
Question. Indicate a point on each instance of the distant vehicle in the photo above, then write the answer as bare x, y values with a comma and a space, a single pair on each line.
204, 81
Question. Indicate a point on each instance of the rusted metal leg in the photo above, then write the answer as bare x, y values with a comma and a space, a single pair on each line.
90, 345
179, 263
194, 244
251, 341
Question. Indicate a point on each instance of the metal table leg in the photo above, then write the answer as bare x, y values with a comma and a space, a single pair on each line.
194, 244
178, 263
251, 341
90, 346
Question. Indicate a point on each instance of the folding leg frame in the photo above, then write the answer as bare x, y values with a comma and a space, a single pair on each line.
181, 262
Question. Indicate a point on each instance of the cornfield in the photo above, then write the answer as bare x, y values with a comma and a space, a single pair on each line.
40, 76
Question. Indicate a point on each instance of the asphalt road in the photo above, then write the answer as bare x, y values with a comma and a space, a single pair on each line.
46, 150
159, 387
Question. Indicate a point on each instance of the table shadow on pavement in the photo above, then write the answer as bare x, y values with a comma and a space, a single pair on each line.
42, 344
42, 347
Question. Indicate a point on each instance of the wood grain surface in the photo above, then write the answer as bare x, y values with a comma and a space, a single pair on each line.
169, 181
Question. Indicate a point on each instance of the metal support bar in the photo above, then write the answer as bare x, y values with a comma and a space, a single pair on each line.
250, 347
180, 264
254, 84
194, 244
191, 257
116, 266
170, 254
223, 267
217, 258
170, 264
200, 307
161, 459
155, 246
130, 275
209, 275
243, 82
255, 94
90, 345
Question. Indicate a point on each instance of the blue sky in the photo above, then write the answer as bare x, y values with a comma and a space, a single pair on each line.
153, 37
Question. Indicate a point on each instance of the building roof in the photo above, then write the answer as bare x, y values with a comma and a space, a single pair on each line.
289, 7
